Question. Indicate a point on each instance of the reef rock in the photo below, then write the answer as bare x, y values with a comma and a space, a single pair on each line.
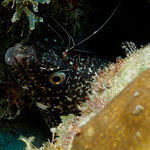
124, 124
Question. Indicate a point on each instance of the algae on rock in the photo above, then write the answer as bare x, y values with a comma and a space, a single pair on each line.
23, 6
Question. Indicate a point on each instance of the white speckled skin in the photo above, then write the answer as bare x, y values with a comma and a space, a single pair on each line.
32, 67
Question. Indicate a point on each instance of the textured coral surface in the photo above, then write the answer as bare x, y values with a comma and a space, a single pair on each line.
123, 124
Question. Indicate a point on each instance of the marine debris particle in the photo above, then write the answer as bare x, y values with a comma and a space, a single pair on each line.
136, 93
138, 109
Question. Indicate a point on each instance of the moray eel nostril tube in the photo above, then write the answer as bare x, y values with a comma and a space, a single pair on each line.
56, 85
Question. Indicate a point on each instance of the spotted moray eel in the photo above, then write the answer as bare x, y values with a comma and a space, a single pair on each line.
57, 85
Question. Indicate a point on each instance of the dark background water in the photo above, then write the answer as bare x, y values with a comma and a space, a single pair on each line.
131, 22
29, 123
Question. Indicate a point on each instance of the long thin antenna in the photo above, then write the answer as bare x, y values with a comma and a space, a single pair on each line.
82, 51
74, 30
63, 30
72, 42
56, 32
101, 25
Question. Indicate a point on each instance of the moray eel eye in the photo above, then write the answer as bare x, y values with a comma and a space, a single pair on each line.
57, 78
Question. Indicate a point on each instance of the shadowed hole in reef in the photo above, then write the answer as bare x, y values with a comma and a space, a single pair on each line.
29, 123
